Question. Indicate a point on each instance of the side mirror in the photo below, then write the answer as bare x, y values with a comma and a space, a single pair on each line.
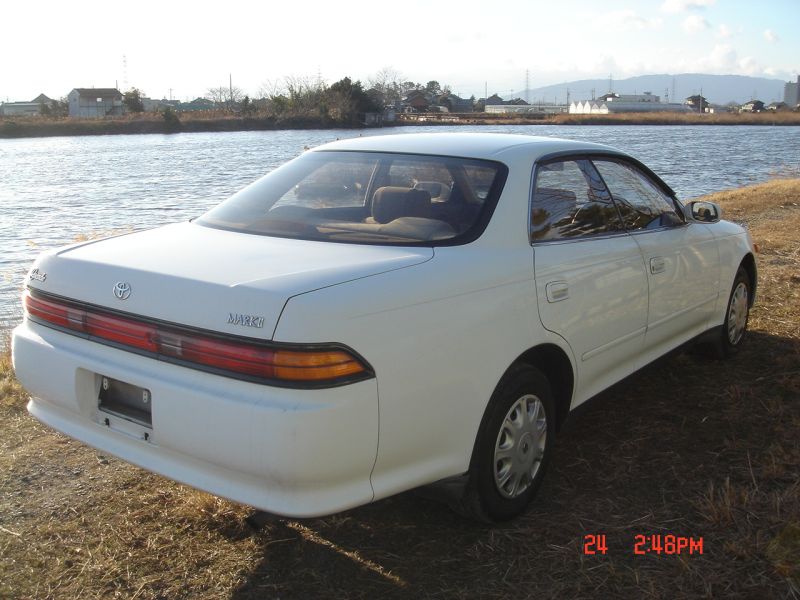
703, 212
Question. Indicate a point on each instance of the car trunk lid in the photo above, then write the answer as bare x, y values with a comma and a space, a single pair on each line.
209, 278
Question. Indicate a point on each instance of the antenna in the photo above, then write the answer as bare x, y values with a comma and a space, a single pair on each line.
673, 89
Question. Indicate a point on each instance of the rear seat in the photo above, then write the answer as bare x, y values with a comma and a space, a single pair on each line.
402, 212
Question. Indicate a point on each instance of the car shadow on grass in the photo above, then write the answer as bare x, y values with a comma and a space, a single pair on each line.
688, 447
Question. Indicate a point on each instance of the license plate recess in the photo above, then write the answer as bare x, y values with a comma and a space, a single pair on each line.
125, 400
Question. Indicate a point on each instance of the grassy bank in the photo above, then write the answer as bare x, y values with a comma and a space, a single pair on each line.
20, 127
686, 446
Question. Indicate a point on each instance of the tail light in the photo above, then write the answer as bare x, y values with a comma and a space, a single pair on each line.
280, 364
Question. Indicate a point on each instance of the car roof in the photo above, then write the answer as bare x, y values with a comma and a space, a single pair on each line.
466, 144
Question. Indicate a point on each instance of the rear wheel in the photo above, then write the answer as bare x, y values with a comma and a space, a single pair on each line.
513, 447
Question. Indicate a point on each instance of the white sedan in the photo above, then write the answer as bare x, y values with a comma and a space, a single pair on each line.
380, 314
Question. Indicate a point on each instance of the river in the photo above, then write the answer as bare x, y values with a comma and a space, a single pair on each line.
54, 191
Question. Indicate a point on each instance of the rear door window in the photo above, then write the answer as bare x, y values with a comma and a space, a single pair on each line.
571, 201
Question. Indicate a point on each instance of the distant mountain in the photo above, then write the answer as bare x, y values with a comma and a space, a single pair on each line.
718, 89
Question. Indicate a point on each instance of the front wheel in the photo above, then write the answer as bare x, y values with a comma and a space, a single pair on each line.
513, 447
731, 335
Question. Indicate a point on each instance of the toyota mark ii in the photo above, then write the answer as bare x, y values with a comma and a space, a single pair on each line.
380, 314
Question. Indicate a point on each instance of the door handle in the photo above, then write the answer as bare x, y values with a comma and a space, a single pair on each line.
657, 265
557, 291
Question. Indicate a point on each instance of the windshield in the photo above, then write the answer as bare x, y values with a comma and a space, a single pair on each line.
367, 197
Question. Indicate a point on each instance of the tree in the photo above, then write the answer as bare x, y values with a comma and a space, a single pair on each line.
433, 87
348, 99
132, 99
225, 96
60, 107
247, 106
385, 86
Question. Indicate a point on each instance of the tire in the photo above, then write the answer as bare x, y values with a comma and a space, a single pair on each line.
512, 449
732, 334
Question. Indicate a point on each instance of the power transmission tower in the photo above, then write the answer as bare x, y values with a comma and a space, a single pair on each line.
527, 86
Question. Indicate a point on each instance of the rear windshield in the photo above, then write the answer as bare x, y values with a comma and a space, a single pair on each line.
367, 197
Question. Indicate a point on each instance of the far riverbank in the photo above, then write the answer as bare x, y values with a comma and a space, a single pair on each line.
216, 121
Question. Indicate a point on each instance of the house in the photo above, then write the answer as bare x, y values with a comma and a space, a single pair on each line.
697, 103
754, 106
417, 100
95, 103
34, 107
494, 100
20, 109
455, 104
628, 98
206, 104
42, 99
778, 106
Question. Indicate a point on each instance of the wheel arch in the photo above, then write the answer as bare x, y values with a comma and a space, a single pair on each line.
749, 265
554, 363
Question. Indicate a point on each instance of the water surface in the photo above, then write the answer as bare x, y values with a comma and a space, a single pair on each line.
56, 190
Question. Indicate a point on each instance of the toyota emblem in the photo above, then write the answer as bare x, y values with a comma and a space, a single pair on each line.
122, 289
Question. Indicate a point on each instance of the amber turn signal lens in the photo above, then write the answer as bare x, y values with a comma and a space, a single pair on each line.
315, 366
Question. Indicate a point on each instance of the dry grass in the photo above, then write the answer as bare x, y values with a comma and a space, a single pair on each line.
654, 118
667, 118
686, 446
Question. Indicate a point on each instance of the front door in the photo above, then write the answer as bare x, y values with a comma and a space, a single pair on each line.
681, 258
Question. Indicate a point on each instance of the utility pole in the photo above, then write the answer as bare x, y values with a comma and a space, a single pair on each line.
485, 90
230, 85
610, 83
567, 96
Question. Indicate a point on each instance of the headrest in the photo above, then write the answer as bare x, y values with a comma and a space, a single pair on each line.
390, 203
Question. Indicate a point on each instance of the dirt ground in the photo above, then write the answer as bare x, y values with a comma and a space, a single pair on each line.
688, 447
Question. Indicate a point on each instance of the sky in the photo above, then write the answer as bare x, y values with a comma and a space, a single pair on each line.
177, 49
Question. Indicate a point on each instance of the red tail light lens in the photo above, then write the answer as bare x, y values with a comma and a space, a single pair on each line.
274, 363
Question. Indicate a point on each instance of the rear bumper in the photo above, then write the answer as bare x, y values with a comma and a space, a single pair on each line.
290, 452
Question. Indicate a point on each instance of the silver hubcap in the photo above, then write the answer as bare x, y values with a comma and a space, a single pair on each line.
519, 450
737, 314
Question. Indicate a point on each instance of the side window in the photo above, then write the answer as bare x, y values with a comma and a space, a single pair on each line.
642, 204
571, 201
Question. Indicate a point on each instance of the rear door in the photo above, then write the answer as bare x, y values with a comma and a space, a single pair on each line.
681, 258
591, 283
